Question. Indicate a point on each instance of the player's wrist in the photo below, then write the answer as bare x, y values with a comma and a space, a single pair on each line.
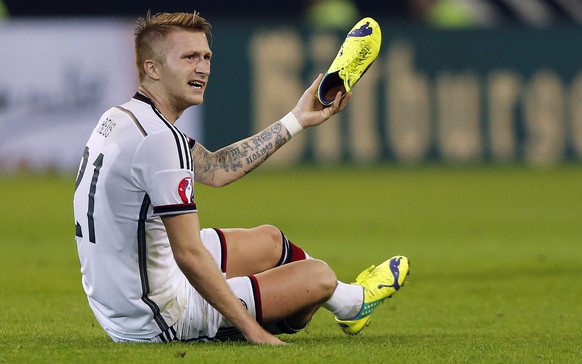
292, 124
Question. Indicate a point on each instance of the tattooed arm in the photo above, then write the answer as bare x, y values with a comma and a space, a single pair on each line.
230, 163
233, 162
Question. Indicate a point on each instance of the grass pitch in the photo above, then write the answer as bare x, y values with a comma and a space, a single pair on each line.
496, 265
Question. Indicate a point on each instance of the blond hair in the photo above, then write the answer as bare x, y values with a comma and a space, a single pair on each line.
154, 28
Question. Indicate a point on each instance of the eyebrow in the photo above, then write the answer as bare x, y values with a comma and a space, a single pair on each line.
200, 52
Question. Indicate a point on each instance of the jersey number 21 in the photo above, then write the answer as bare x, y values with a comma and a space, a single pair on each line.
97, 164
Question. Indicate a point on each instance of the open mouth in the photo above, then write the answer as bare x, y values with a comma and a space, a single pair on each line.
197, 84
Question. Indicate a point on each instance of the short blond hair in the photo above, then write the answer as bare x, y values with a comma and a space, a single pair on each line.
154, 28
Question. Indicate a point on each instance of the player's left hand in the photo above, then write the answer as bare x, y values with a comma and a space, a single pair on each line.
310, 112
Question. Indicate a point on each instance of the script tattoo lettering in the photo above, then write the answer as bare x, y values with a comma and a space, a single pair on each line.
241, 157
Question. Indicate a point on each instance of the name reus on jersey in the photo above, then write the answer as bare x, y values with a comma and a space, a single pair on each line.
106, 127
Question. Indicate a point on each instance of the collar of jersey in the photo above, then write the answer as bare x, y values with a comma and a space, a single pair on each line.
143, 98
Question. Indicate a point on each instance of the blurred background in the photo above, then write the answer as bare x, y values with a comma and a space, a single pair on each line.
456, 82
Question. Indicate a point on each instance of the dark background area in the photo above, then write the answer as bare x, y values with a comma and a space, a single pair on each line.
499, 12
281, 10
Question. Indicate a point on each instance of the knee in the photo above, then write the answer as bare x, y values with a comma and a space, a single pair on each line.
271, 234
324, 277
271, 241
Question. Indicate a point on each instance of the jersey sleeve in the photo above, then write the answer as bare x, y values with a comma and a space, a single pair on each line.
163, 169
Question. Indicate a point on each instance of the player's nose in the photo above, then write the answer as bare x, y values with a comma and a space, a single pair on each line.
203, 68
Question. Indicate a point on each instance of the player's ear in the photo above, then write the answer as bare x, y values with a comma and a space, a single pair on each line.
151, 69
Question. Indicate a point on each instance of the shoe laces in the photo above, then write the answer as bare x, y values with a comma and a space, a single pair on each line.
362, 51
365, 274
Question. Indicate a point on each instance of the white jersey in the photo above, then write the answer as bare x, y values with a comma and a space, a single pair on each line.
136, 167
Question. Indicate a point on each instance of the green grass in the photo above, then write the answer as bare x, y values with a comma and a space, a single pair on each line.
496, 265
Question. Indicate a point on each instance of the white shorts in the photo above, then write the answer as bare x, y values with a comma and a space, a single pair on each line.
202, 322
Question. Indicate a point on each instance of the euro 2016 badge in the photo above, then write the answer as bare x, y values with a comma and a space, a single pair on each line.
186, 191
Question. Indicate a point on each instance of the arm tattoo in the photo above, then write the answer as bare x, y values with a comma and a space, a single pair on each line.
240, 158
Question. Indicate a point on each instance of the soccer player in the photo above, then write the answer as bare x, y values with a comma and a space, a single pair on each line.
151, 274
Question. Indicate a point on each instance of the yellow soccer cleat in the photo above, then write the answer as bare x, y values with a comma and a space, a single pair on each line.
359, 50
379, 283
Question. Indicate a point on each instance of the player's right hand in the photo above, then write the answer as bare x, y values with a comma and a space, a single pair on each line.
262, 337
310, 112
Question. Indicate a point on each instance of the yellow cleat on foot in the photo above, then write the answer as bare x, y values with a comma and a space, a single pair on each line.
359, 50
379, 283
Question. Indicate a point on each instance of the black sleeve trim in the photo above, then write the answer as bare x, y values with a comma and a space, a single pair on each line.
175, 209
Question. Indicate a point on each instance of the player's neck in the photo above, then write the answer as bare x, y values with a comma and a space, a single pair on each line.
160, 103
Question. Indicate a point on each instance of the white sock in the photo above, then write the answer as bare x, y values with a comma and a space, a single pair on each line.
346, 302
